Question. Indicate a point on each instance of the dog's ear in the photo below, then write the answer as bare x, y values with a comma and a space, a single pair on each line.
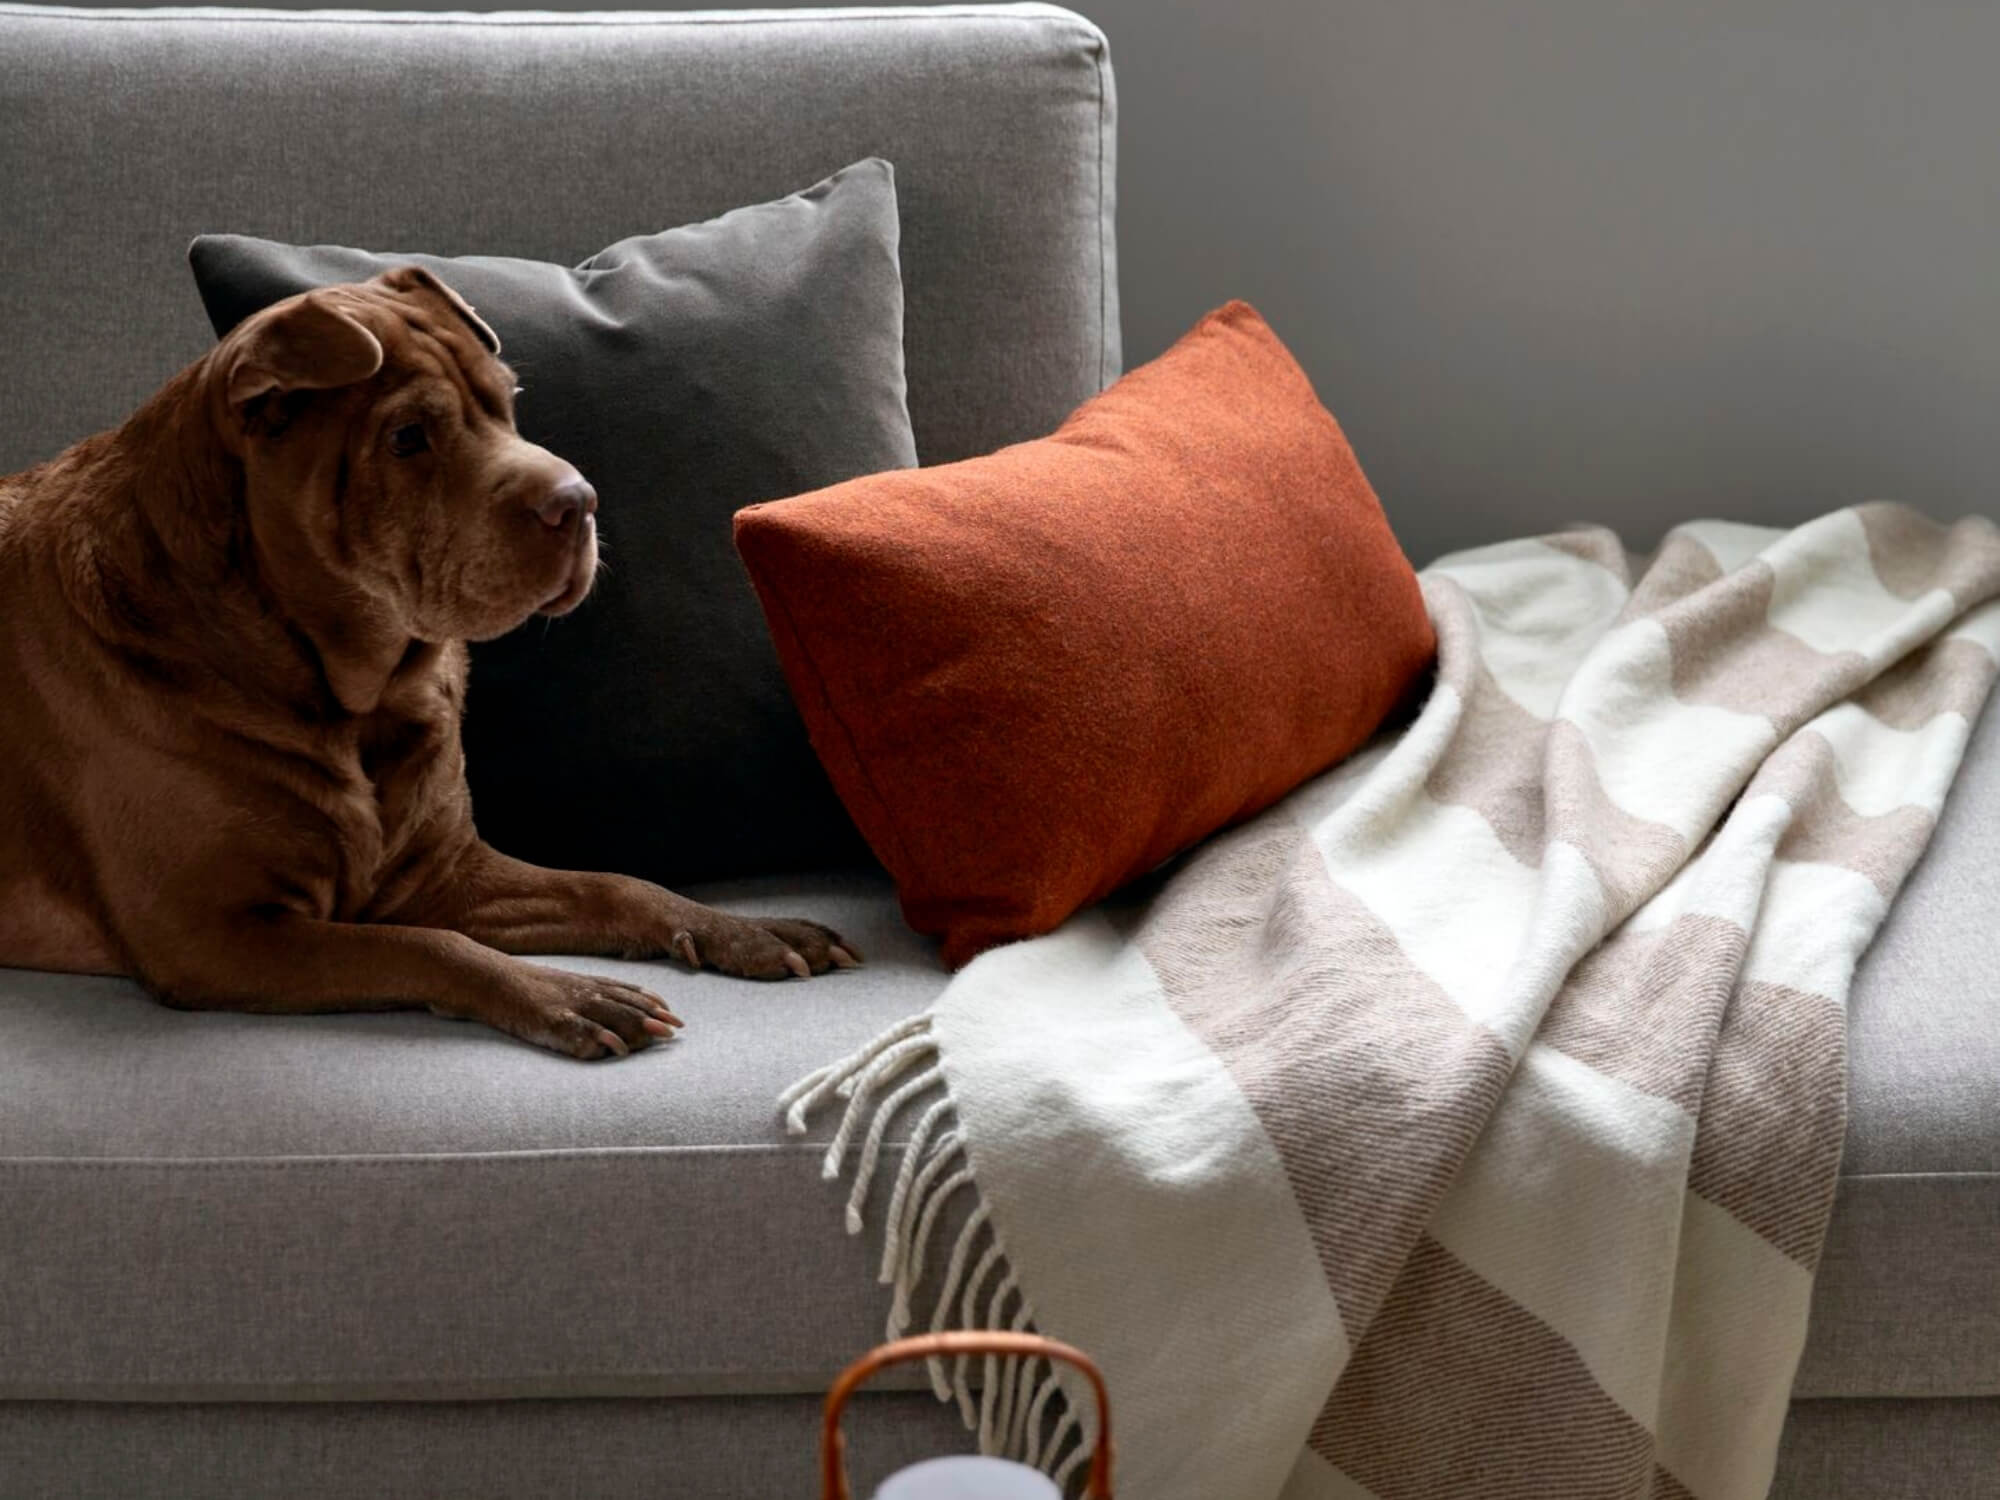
415, 278
304, 344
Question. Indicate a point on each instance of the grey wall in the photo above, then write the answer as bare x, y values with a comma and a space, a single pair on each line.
1588, 258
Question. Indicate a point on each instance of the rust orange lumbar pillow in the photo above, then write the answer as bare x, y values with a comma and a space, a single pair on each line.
1036, 675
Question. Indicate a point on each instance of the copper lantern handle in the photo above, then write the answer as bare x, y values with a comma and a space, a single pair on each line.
833, 1444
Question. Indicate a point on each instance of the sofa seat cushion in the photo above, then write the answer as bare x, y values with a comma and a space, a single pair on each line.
1908, 1297
220, 1206
382, 1206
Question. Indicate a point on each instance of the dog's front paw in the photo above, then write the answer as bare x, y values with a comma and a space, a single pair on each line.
762, 947
586, 1015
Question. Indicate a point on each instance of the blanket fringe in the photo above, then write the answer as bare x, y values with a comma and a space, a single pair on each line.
1037, 1414
1016, 1400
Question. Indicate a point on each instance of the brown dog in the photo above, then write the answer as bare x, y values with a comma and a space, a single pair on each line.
231, 667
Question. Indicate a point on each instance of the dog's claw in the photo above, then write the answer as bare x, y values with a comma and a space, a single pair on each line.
684, 946
615, 1042
658, 1027
842, 959
797, 964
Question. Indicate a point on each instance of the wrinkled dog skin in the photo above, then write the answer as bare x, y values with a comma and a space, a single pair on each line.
232, 665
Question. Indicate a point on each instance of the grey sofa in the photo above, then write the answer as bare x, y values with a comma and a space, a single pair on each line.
387, 1256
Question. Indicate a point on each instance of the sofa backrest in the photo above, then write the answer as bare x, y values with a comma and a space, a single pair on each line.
124, 133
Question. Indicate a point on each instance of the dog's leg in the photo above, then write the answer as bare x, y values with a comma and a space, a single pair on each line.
295, 965
522, 908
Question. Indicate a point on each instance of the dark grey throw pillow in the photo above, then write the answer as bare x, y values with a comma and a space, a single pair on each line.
687, 374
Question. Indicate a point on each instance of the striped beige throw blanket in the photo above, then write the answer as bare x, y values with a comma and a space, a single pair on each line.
1467, 1124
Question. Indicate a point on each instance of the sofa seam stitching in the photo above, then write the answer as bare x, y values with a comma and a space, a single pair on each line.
526, 1157
655, 1375
1102, 52
219, 16
532, 1155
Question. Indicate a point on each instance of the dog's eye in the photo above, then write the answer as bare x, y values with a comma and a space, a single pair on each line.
408, 442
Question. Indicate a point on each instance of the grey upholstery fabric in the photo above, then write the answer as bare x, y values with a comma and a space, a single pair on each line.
1908, 1299
687, 373
1890, 1450
235, 1206
1924, 1014
714, 1449
743, 1448
1907, 1302
546, 137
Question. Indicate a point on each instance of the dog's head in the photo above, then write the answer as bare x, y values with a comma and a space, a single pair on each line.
386, 488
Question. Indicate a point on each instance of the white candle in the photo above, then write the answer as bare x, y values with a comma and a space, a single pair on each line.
968, 1479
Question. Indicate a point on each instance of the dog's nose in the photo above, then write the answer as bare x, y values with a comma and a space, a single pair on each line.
572, 497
